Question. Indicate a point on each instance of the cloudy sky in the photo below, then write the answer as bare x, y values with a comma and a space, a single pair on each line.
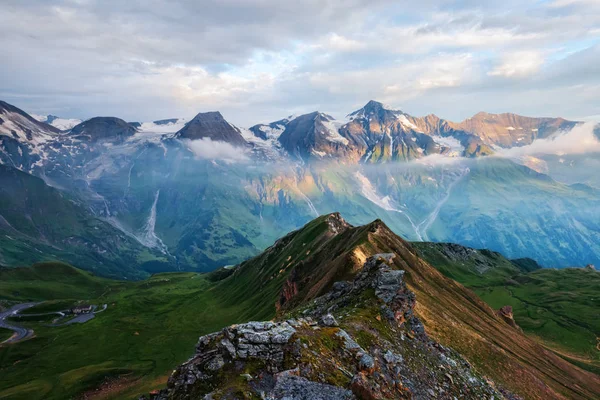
261, 60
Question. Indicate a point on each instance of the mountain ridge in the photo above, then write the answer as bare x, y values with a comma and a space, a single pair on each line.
305, 265
378, 133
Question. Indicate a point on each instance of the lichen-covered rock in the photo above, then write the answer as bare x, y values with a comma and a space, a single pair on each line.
360, 340
329, 320
291, 387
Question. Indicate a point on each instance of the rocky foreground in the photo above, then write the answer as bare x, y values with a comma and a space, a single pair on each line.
360, 340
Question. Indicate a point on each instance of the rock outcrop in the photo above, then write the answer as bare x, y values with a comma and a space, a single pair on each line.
361, 340
212, 125
506, 313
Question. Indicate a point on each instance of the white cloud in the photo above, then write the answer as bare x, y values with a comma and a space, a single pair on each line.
205, 148
337, 42
579, 140
518, 64
259, 60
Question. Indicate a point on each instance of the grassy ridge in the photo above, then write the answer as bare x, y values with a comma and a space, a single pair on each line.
51, 280
149, 327
559, 306
152, 326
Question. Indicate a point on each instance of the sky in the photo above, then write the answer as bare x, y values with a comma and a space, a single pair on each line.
261, 60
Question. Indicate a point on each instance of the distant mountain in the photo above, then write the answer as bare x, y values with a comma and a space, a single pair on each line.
272, 130
377, 133
508, 130
149, 185
22, 137
100, 128
382, 134
213, 126
62, 124
17, 124
313, 136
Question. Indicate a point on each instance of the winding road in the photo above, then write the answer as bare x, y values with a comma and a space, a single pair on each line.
20, 332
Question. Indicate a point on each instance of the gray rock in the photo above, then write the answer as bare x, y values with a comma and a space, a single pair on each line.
366, 362
216, 363
349, 343
392, 358
290, 387
329, 320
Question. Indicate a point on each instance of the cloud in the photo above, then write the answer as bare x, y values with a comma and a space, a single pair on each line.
579, 140
207, 149
519, 64
259, 60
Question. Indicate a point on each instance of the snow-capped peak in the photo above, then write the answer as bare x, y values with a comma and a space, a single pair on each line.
64, 124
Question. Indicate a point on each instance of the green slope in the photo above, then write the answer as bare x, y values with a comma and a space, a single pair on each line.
559, 306
49, 281
40, 223
151, 326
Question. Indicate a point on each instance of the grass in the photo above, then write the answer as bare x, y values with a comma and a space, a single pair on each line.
557, 306
149, 327
5, 334
51, 281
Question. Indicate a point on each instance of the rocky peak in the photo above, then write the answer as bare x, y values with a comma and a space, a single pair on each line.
103, 128
359, 341
375, 110
336, 222
166, 121
313, 135
213, 126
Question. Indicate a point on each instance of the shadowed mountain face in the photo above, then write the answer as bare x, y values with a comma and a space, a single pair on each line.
39, 223
13, 119
213, 126
325, 267
100, 128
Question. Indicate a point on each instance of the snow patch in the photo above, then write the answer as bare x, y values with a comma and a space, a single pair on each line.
406, 123
369, 192
332, 132
270, 147
170, 127
456, 148
64, 124
149, 238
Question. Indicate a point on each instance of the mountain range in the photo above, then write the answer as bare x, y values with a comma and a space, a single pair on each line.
203, 193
